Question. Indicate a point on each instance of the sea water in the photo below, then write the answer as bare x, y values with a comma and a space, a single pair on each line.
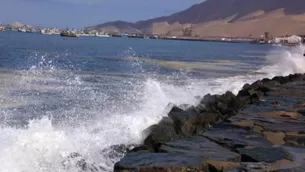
64, 95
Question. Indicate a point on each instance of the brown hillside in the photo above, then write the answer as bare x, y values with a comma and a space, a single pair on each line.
224, 18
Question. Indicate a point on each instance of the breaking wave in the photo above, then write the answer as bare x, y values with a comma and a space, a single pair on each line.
67, 114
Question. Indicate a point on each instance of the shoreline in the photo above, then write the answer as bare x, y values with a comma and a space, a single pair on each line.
262, 128
240, 40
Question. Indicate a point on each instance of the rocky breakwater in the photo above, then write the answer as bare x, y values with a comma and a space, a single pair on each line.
260, 129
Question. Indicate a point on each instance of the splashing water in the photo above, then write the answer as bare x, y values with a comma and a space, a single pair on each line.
98, 120
285, 62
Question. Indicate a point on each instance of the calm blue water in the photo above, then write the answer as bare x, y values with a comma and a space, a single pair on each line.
62, 95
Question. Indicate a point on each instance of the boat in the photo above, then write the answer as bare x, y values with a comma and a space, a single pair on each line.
21, 30
68, 34
101, 35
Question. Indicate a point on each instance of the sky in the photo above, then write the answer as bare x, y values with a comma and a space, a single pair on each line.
82, 13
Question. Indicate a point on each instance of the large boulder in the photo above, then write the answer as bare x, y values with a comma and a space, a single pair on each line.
289, 78
250, 94
190, 122
227, 104
296, 77
160, 133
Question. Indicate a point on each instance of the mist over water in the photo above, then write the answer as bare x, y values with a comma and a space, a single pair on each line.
50, 109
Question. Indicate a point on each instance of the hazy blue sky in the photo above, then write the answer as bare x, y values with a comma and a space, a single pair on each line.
80, 13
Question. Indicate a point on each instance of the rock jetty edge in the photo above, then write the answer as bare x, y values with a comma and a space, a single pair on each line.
262, 128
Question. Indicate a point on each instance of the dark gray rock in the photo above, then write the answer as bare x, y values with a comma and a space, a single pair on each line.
297, 169
190, 122
75, 160
301, 111
269, 123
160, 133
200, 146
227, 128
280, 79
227, 104
185, 122
298, 154
115, 152
295, 77
279, 125
159, 161
296, 140
251, 94
234, 137
264, 154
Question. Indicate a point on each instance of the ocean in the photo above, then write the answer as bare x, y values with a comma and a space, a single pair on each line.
86, 95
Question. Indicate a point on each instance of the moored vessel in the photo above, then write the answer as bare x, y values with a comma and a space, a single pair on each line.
68, 34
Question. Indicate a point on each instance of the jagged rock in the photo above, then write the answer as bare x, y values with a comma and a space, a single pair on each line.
117, 151
301, 111
185, 122
261, 86
263, 127
263, 154
190, 122
295, 140
251, 93
280, 79
160, 133
75, 160
200, 146
193, 120
249, 96
296, 77
162, 162
289, 78
270, 83
234, 137
271, 121
226, 104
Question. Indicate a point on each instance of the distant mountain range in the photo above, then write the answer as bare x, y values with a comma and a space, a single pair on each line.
222, 18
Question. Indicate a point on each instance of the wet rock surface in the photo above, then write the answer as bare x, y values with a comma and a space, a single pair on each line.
139, 161
258, 154
262, 128
75, 161
202, 147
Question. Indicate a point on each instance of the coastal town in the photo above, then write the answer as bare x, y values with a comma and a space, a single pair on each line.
265, 38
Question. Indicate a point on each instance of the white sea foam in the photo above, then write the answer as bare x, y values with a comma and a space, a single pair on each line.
42, 145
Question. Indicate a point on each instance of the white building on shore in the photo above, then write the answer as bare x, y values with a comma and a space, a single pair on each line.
288, 40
